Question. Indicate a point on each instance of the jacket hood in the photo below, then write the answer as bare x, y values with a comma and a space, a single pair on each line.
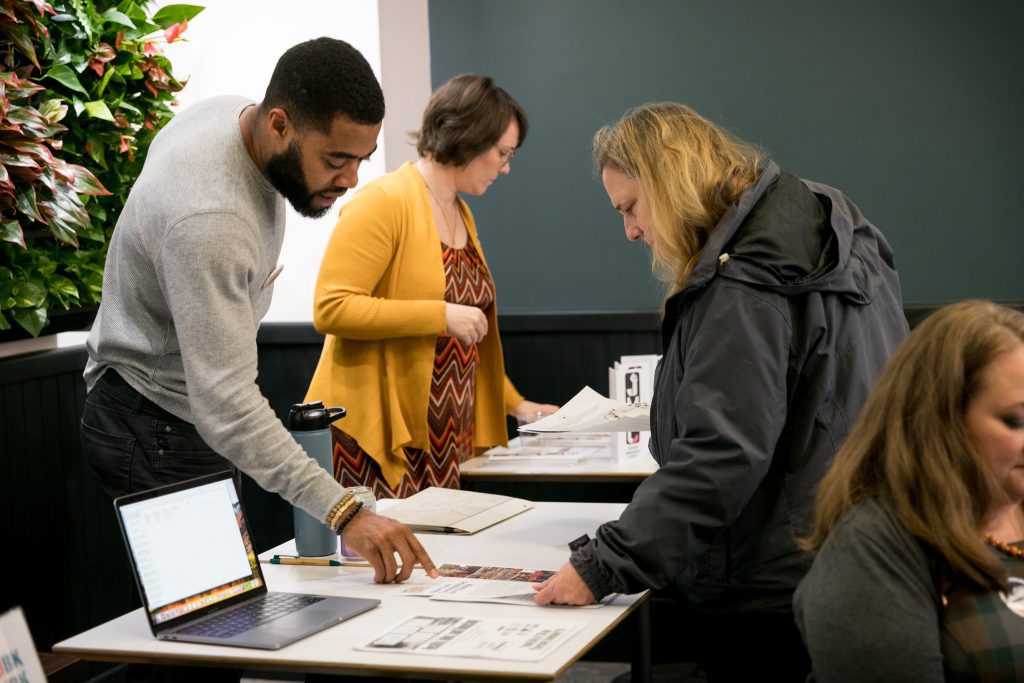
795, 236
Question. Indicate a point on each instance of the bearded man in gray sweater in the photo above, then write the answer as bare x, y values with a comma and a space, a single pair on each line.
172, 355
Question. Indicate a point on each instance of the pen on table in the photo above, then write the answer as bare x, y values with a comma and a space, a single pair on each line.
319, 562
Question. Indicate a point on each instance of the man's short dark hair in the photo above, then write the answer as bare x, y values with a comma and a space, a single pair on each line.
319, 79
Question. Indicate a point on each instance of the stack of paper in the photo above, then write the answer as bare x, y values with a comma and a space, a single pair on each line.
589, 411
625, 414
544, 449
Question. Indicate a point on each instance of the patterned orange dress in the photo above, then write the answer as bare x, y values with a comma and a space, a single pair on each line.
452, 397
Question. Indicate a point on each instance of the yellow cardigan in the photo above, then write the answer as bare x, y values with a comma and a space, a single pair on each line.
380, 302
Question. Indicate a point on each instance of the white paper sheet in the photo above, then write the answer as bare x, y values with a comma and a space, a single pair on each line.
453, 511
477, 583
472, 590
589, 411
529, 640
541, 452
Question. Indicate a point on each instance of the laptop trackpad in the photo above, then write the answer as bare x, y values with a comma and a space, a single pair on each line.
304, 622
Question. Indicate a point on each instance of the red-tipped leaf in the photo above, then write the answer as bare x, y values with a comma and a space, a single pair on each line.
172, 33
87, 183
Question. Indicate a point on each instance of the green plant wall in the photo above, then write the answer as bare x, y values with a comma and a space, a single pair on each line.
84, 88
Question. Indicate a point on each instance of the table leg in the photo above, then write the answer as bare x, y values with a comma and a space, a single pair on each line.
642, 669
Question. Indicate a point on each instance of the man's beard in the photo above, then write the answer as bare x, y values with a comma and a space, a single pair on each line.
285, 173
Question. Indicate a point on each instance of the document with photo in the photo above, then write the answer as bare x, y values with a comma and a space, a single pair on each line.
525, 640
472, 590
476, 571
475, 583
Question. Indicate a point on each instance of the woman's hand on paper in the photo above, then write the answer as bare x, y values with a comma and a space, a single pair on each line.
528, 411
468, 324
564, 588
378, 538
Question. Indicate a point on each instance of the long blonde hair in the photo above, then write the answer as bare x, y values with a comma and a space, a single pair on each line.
910, 448
691, 171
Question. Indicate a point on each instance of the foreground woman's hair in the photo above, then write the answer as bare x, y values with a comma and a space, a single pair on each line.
910, 448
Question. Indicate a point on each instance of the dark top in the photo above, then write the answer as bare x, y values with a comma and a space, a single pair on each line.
870, 609
771, 349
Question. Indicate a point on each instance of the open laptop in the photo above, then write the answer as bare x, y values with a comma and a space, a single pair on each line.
200, 580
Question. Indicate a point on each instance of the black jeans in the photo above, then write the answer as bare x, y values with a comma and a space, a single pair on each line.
754, 646
133, 444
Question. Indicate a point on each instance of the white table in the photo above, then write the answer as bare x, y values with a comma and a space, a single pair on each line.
604, 467
535, 539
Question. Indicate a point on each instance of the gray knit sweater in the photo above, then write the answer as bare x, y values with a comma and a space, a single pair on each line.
184, 289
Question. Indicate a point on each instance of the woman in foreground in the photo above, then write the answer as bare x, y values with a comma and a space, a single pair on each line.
920, 521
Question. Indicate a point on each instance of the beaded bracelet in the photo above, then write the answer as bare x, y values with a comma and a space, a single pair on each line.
338, 509
339, 514
348, 518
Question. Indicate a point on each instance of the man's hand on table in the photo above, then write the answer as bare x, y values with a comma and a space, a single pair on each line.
378, 538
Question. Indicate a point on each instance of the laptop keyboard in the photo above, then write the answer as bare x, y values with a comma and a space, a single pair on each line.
245, 617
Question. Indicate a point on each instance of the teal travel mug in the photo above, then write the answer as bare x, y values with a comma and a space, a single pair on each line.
310, 424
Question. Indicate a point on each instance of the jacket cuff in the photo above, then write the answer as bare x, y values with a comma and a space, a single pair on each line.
587, 566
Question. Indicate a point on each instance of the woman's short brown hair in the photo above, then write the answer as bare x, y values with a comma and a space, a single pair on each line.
465, 117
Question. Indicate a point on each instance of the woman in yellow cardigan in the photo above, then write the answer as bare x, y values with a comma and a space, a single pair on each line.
406, 303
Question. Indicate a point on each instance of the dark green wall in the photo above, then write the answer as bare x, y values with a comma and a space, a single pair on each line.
914, 109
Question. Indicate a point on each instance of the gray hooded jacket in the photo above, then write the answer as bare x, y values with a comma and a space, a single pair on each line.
771, 349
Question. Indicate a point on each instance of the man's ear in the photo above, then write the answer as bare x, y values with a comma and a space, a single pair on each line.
279, 126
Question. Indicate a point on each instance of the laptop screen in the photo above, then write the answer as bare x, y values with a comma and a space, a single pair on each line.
191, 548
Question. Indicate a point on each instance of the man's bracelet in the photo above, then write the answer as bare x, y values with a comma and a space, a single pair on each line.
348, 517
338, 511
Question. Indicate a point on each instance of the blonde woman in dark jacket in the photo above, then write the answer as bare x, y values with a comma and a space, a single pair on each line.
783, 306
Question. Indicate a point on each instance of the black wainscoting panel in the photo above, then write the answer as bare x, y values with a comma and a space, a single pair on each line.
64, 565
550, 357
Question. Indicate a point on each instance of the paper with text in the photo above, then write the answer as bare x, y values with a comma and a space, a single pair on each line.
589, 411
480, 583
472, 590
529, 640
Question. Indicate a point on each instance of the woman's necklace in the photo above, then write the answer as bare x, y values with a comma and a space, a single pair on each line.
1005, 548
444, 215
